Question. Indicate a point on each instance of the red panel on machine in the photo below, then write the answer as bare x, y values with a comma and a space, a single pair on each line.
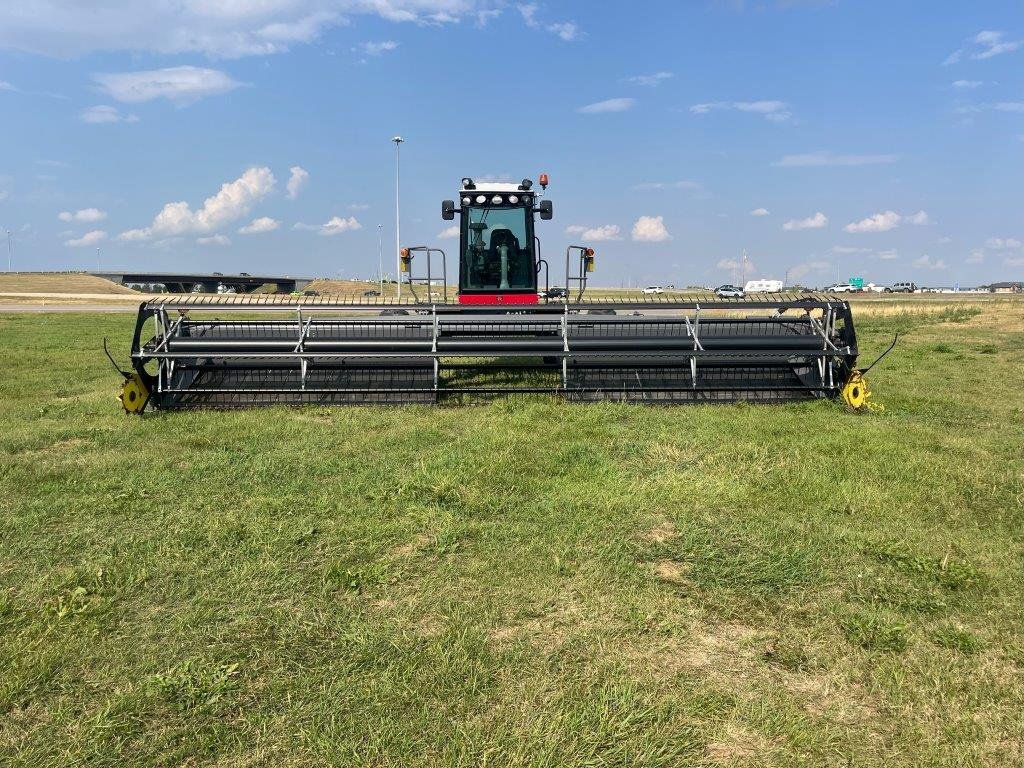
497, 298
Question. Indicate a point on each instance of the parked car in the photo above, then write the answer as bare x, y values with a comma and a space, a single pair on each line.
872, 288
310, 293
904, 287
371, 293
651, 290
843, 288
729, 292
554, 293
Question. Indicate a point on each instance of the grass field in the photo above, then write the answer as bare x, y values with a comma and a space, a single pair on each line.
521, 583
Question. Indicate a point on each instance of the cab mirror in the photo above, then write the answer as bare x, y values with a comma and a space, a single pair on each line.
448, 210
546, 211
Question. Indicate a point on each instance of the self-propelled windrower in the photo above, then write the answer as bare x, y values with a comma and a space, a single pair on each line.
504, 330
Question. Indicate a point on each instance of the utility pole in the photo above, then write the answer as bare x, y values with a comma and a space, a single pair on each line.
9, 250
99, 263
398, 219
380, 257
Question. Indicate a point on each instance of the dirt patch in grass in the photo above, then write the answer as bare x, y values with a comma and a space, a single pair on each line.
662, 532
737, 745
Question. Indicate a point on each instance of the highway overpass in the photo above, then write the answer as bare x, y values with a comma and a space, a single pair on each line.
185, 282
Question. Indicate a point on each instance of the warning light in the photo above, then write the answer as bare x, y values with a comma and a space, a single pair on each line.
543, 181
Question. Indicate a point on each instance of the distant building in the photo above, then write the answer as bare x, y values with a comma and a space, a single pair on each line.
1006, 288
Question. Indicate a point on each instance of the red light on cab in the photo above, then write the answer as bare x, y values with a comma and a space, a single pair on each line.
543, 181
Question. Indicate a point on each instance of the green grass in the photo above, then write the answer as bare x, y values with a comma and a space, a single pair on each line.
521, 583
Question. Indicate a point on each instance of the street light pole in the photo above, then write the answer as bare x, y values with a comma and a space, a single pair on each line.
99, 263
8, 250
398, 219
380, 257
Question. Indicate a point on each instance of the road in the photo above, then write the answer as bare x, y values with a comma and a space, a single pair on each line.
40, 308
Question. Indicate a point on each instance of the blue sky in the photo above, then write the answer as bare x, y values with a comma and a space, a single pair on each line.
877, 139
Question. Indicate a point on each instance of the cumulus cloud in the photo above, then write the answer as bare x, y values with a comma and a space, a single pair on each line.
811, 267
181, 85
775, 111
824, 158
104, 113
967, 84
85, 214
759, 212
649, 81
1013, 261
70, 28
608, 105
601, 233
927, 262
449, 232
259, 226
89, 238
880, 222
296, 181
977, 256
234, 200
731, 264
984, 45
817, 221
214, 240
883, 222
333, 226
650, 229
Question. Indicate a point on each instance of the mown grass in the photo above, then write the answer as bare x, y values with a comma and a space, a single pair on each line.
527, 582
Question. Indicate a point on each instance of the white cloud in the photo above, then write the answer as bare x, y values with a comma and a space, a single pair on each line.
601, 233
608, 105
967, 84
85, 214
229, 29
650, 229
296, 181
377, 48
334, 226
759, 212
817, 221
566, 30
984, 45
214, 240
927, 262
883, 222
104, 113
825, 158
776, 111
234, 200
649, 81
890, 255
1009, 106
359, 207
1002, 243
259, 226
5, 86
880, 222
4, 194
1013, 261
575, 229
181, 85
448, 232
977, 256
849, 249
89, 238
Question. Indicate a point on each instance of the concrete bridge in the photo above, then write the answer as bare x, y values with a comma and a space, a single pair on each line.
186, 282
